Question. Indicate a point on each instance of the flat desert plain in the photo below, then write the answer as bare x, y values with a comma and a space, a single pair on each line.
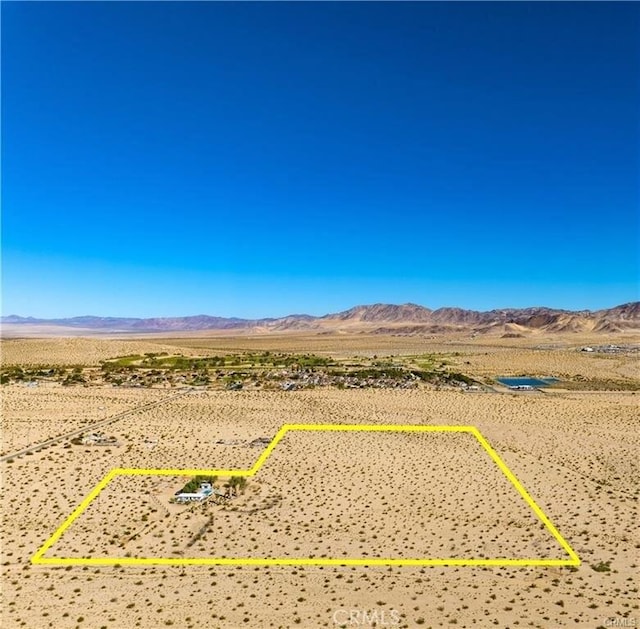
323, 495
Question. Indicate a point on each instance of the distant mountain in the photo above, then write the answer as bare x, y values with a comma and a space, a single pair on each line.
376, 318
387, 313
158, 324
628, 312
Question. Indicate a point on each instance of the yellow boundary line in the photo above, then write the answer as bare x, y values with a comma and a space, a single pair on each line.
39, 557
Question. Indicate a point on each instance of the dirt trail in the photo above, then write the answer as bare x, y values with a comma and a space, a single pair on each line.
89, 427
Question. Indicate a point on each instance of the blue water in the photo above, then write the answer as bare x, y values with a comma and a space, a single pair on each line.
532, 382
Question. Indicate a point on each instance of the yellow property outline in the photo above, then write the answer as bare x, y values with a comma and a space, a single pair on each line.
39, 558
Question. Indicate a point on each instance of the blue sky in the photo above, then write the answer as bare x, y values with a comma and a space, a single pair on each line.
246, 159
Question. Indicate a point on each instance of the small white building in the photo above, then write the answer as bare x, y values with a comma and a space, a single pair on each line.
206, 489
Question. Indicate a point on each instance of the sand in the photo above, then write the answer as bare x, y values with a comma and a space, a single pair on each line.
327, 494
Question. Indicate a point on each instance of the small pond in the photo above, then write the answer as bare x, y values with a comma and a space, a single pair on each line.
526, 381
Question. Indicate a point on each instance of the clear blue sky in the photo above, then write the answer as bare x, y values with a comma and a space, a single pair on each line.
262, 159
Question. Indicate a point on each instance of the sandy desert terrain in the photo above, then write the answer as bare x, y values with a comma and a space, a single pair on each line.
348, 497
326, 493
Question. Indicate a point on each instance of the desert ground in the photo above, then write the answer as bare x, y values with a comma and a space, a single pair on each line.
359, 494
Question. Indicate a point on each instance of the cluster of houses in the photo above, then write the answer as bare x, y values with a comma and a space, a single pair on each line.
296, 379
611, 349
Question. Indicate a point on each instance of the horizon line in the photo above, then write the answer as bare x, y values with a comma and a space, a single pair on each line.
36, 318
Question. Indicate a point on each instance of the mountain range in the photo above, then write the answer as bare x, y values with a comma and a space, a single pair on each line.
377, 319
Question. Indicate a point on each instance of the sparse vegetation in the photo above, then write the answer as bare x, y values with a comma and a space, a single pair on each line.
194, 484
249, 370
422, 507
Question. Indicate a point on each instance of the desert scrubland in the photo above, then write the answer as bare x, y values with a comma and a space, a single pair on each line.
356, 490
48, 411
333, 494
